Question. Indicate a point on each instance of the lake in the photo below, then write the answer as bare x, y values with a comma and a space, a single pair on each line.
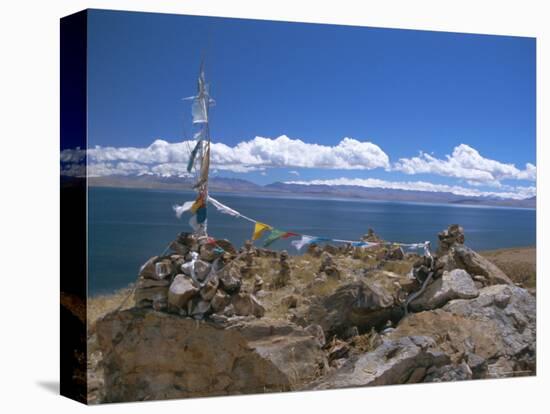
127, 226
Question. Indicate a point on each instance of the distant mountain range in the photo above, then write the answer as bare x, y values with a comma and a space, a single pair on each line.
279, 188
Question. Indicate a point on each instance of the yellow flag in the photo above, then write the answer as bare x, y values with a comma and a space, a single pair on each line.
259, 229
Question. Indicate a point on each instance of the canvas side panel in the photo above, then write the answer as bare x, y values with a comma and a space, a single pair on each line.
73, 263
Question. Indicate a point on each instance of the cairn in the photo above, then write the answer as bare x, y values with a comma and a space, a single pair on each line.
328, 266
283, 277
249, 253
449, 237
198, 280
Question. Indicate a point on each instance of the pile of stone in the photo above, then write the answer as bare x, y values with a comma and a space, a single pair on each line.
198, 279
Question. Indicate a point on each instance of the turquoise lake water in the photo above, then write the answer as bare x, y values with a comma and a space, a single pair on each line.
127, 226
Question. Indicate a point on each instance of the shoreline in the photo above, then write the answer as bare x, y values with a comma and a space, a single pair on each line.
316, 196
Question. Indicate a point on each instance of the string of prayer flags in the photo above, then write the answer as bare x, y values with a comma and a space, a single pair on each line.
305, 240
259, 229
276, 235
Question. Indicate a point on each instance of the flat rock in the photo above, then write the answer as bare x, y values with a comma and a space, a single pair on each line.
393, 362
454, 284
154, 355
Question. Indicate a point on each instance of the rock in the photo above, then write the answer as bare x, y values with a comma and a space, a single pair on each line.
246, 304
454, 284
153, 355
143, 283
367, 303
147, 270
482, 327
463, 257
220, 301
511, 311
317, 332
181, 291
208, 252
163, 269
230, 280
146, 297
477, 364
209, 289
179, 248
454, 235
200, 309
227, 246
283, 277
450, 372
328, 266
290, 301
395, 254
393, 362
202, 269
258, 284
338, 349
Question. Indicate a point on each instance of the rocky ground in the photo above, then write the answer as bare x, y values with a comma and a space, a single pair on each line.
210, 320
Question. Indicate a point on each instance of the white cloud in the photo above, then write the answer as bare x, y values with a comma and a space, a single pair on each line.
254, 155
517, 193
465, 163
296, 173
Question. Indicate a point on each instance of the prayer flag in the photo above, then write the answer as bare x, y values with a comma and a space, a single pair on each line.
259, 229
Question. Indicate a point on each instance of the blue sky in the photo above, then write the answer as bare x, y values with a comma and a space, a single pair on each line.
403, 91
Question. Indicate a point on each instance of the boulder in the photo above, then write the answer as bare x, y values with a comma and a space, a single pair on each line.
152, 355
181, 291
393, 362
454, 284
512, 313
462, 257
366, 303
230, 280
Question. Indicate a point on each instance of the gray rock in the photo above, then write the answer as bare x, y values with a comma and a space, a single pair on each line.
202, 269
200, 309
454, 284
458, 372
465, 258
181, 291
230, 280
511, 311
393, 362
364, 304
317, 332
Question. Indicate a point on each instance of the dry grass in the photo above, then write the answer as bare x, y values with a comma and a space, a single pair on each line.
520, 264
99, 306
